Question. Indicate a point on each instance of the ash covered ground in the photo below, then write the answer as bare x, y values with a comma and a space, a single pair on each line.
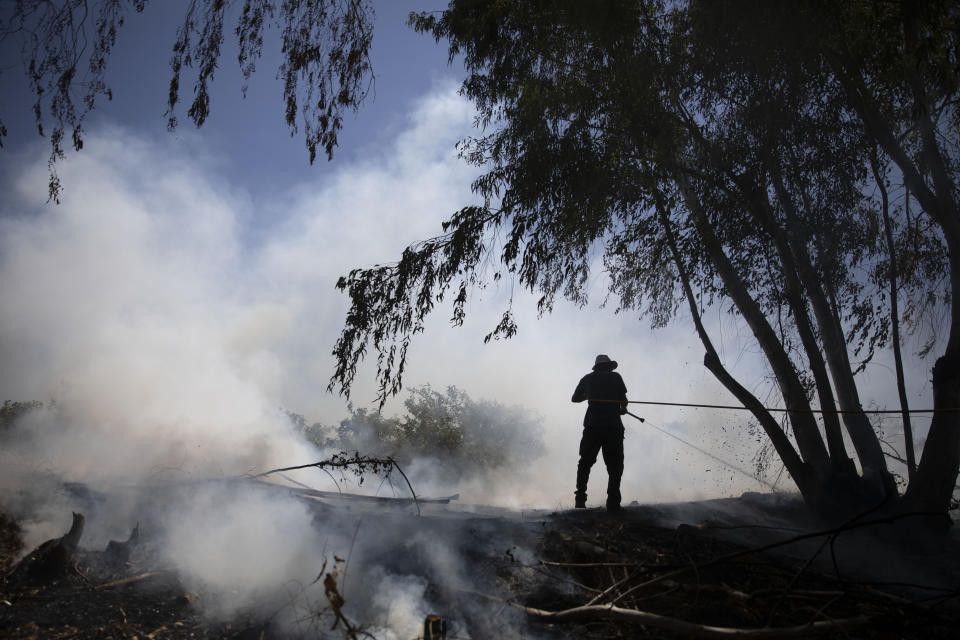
243, 559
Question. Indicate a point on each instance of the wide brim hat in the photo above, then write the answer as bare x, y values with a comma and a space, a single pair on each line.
604, 362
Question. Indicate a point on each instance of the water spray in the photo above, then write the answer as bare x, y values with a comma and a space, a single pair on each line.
703, 451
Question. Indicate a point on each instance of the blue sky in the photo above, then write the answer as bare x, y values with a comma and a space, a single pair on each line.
249, 136
185, 284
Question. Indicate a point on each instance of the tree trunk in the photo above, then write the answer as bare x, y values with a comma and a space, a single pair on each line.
895, 317
798, 470
805, 427
762, 212
864, 439
933, 485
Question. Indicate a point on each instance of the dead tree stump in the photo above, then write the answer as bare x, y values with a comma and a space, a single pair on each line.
53, 559
118, 553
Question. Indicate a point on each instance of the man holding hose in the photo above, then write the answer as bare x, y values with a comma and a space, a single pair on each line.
606, 394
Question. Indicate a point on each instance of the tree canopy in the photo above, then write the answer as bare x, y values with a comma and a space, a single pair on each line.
742, 151
456, 435
793, 162
66, 45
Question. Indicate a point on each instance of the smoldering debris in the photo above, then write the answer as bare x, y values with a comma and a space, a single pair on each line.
294, 561
118, 552
51, 560
214, 559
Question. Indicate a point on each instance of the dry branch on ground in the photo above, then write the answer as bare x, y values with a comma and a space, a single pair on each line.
631, 579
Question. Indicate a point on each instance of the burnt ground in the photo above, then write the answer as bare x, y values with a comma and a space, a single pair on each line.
755, 562
77, 605
746, 566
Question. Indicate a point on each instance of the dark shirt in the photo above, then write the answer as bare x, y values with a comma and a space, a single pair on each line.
604, 384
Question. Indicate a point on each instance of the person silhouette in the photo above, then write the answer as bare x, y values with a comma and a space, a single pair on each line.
606, 397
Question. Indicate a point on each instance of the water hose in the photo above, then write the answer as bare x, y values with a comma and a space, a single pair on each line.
703, 451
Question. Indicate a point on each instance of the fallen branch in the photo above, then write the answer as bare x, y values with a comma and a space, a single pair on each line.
339, 495
689, 629
718, 589
131, 580
692, 629
831, 532
359, 464
583, 565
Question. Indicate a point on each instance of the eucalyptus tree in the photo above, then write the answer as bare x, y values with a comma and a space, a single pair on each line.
65, 47
723, 147
719, 148
903, 88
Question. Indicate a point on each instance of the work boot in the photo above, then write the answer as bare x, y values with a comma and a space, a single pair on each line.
580, 501
613, 493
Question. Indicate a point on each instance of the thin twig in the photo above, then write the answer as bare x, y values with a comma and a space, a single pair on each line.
341, 461
689, 629
353, 542
412, 492
131, 579
335, 483
796, 576
296, 482
587, 565
767, 547
563, 579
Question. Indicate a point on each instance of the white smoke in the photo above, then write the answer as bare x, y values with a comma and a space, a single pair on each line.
164, 329
164, 320
168, 320
242, 547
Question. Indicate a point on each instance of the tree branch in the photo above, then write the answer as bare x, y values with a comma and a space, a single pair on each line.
689, 629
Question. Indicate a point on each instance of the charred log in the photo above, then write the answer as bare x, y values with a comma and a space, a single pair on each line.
118, 553
52, 560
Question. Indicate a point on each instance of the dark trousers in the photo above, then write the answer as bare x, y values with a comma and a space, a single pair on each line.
609, 440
